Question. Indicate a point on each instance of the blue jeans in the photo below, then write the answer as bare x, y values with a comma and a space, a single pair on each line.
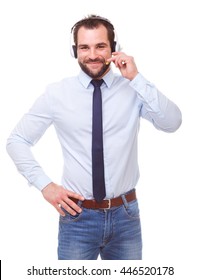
113, 234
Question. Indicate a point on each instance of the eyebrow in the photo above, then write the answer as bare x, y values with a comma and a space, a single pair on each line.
98, 44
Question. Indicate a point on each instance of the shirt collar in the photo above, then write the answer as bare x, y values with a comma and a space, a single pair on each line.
85, 79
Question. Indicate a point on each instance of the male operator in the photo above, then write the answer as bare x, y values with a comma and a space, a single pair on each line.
96, 115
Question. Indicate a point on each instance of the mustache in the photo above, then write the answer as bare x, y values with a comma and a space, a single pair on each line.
95, 60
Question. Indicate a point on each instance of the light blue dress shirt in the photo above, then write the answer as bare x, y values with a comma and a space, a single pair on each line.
68, 106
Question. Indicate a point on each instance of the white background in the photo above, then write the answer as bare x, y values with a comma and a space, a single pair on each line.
34, 51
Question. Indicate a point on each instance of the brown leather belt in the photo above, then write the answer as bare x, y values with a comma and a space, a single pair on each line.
108, 203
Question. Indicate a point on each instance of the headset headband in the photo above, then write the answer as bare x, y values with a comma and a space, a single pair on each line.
80, 22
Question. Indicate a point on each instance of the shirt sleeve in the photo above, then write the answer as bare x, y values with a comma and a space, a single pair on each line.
156, 107
27, 132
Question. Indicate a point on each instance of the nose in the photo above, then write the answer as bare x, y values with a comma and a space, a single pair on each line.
93, 53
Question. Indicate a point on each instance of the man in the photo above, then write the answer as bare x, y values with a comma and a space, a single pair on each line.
105, 221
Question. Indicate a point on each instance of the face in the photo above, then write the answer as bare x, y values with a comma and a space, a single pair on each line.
93, 49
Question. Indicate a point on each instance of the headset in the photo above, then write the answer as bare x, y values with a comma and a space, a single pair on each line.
73, 48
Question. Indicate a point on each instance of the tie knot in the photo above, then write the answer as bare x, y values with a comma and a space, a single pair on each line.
97, 83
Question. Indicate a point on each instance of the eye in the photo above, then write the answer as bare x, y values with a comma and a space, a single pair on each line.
83, 47
101, 46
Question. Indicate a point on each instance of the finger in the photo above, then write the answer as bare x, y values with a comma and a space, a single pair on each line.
69, 202
75, 195
120, 63
66, 203
71, 207
117, 53
118, 60
58, 207
113, 57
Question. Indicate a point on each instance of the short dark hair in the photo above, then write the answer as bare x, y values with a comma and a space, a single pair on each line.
91, 22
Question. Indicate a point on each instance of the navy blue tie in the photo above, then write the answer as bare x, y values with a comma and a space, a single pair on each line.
97, 144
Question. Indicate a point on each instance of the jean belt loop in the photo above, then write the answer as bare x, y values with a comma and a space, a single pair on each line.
124, 200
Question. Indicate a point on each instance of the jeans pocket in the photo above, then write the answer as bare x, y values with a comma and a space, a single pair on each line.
132, 210
68, 218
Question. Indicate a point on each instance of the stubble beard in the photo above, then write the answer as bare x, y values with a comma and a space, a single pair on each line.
90, 73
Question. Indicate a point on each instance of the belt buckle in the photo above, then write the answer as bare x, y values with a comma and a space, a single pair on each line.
109, 205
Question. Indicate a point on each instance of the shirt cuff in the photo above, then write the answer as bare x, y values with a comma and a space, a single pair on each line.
41, 182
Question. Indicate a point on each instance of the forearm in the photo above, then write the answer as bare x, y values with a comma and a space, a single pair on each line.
157, 108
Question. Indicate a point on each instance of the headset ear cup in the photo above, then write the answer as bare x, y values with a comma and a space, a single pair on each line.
74, 51
113, 47
116, 45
